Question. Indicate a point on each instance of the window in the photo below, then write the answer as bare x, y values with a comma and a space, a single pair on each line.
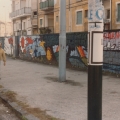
108, 14
57, 18
24, 25
118, 17
86, 13
79, 18
35, 13
41, 22
78, 0
19, 25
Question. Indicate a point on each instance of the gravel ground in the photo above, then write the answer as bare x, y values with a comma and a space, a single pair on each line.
6, 114
36, 85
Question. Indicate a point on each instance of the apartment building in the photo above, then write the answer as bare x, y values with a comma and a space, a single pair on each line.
46, 16
5, 29
24, 17
76, 15
9, 29
2, 29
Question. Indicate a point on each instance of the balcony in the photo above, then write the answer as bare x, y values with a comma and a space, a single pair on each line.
20, 13
47, 5
46, 30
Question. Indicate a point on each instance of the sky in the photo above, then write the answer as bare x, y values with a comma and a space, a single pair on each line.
4, 11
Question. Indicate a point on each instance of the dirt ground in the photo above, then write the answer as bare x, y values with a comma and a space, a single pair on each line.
6, 114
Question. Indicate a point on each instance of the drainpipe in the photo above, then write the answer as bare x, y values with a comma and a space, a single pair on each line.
110, 14
37, 17
21, 26
69, 18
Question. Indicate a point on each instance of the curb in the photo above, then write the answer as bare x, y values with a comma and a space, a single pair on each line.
20, 113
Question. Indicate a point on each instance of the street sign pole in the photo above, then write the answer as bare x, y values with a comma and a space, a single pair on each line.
62, 41
95, 58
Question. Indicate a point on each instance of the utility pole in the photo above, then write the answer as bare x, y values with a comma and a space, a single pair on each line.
62, 41
95, 59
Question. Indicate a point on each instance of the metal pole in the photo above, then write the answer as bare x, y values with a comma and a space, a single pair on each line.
62, 41
95, 59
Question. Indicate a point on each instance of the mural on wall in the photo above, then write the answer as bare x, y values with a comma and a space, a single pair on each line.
112, 40
8, 45
112, 51
77, 52
32, 47
46, 47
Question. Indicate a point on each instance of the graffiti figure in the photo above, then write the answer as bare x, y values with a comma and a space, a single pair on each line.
35, 52
41, 50
22, 44
28, 41
10, 40
49, 54
82, 54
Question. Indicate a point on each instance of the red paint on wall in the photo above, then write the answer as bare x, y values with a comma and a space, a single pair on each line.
29, 41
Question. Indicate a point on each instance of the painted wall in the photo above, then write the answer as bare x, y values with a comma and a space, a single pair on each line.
8, 45
112, 51
46, 48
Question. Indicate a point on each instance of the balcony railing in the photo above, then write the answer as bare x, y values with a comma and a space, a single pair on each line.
22, 12
46, 30
48, 4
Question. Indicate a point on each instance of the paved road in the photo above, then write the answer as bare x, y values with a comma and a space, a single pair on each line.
6, 114
36, 85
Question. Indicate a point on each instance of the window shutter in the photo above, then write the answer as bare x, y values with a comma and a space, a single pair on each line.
79, 17
41, 23
118, 12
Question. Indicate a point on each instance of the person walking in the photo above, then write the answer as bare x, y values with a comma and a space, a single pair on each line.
2, 57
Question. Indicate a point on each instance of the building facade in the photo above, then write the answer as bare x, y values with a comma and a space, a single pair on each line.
76, 15
42, 16
2, 29
6, 29
24, 17
46, 16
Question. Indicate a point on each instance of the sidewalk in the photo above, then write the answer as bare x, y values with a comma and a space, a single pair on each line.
36, 84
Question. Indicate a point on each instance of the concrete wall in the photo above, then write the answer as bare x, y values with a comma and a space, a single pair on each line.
17, 5
23, 4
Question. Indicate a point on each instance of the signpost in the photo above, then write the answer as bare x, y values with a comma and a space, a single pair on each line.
95, 58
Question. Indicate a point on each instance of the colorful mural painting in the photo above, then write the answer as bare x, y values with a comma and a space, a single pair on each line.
32, 47
112, 51
8, 45
46, 47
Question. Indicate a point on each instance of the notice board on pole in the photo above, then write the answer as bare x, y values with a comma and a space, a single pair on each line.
97, 47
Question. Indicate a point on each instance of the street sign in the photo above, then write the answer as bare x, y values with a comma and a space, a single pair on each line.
96, 11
